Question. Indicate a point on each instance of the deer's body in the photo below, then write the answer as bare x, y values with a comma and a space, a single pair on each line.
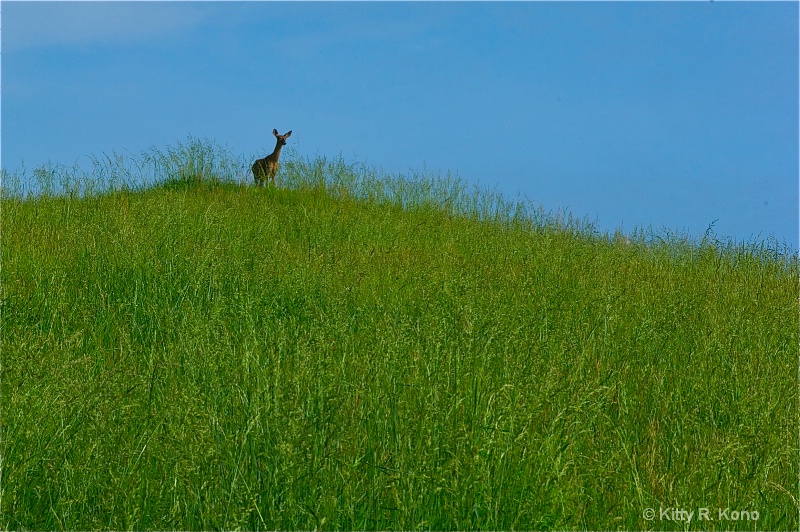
267, 167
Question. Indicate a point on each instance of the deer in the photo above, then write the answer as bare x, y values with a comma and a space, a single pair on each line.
267, 167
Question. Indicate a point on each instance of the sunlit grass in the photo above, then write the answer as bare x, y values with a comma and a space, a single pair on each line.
355, 351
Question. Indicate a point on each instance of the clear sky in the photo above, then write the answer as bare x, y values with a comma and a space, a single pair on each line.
665, 115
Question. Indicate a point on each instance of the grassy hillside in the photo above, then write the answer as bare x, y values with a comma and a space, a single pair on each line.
348, 352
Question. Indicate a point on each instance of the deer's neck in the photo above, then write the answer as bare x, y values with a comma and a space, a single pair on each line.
278, 148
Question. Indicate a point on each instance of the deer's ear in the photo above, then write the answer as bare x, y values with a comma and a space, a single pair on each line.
289, 134
275, 132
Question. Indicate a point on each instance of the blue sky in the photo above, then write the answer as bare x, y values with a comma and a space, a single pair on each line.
665, 115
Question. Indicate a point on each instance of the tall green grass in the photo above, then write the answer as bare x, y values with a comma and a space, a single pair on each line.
357, 351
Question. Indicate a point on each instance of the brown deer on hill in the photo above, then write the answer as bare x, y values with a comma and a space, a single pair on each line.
267, 167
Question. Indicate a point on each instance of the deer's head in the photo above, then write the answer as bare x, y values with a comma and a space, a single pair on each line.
281, 138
